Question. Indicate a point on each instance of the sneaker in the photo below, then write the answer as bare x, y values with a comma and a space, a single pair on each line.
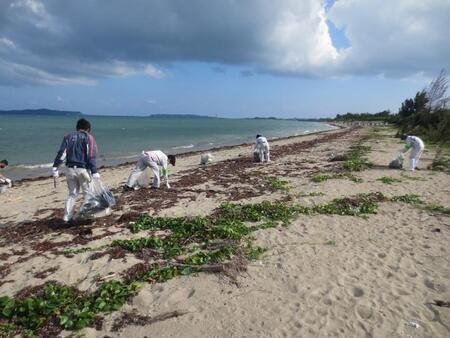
127, 188
66, 218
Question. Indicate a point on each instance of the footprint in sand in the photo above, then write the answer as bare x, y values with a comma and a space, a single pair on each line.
364, 311
441, 288
358, 292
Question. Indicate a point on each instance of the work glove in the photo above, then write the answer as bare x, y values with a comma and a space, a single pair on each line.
9, 182
96, 176
55, 172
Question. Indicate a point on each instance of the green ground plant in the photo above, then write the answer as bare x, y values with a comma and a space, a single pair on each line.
278, 184
324, 177
388, 179
188, 244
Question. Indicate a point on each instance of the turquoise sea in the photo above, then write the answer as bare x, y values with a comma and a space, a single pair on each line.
30, 143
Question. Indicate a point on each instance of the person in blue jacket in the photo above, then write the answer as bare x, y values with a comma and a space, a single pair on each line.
80, 152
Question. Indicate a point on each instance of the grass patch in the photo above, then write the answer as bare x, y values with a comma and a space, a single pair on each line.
312, 194
435, 208
324, 177
278, 184
63, 306
408, 198
388, 180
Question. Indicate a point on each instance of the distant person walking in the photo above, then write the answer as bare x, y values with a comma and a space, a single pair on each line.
5, 182
416, 145
80, 152
262, 148
158, 162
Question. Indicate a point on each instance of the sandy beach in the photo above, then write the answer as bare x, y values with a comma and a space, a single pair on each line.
324, 275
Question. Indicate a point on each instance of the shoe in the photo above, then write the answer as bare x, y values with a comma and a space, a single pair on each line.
66, 218
127, 188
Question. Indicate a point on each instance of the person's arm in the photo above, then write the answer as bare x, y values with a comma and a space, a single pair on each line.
92, 151
407, 146
61, 153
165, 171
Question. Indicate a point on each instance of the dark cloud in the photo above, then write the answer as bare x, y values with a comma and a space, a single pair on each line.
54, 41
81, 40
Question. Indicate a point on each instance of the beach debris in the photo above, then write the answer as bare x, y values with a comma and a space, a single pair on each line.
133, 318
397, 163
441, 303
98, 201
206, 159
412, 324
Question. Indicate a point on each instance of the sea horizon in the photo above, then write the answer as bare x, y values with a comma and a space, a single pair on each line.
30, 142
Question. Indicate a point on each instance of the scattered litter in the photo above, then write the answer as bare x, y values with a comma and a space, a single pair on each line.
412, 324
98, 202
441, 303
206, 159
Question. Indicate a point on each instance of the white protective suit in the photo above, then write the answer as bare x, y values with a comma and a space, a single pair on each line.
77, 182
262, 147
416, 145
5, 183
157, 161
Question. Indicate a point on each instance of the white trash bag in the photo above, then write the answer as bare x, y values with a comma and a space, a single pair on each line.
98, 202
143, 180
257, 156
206, 159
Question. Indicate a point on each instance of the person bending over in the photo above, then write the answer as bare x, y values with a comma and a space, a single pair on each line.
5, 182
416, 145
80, 152
157, 161
262, 148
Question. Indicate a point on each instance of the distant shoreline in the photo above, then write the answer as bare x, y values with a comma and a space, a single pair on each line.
182, 154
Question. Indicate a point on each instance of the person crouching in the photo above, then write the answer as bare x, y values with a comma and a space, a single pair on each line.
262, 148
5, 182
157, 161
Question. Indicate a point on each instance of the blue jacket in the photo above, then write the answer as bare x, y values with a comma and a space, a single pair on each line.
80, 150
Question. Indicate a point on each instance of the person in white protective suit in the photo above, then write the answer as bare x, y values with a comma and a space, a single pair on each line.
5, 182
262, 148
157, 161
416, 145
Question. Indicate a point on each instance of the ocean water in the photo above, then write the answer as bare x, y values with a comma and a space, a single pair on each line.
30, 143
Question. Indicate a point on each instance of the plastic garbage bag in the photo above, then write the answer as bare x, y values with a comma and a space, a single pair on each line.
397, 163
143, 180
256, 156
98, 201
206, 159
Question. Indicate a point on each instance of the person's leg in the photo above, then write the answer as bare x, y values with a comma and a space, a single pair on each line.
155, 169
136, 172
267, 152
413, 158
419, 154
83, 182
73, 187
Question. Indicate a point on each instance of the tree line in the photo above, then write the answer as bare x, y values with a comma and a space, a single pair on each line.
426, 115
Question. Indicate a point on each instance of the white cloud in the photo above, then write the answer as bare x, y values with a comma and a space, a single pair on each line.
57, 42
396, 38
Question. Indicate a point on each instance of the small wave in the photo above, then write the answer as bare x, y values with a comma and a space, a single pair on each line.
35, 166
306, 132
120, 157
184, 147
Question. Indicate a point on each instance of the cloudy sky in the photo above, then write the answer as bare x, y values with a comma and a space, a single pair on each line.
286, 58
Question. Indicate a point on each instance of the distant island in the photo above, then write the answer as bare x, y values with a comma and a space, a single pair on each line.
189, 116
41, 112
